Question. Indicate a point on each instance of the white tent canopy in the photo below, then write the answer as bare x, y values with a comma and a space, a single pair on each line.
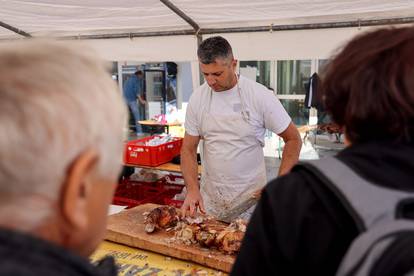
123, 18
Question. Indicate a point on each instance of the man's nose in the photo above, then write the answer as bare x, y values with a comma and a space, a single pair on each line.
210, 80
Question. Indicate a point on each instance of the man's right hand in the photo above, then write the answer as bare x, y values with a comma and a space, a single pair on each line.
192, 202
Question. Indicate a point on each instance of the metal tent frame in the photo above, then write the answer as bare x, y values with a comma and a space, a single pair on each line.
199, 32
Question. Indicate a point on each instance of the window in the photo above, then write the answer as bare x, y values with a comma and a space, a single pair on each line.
292, 75
257, 70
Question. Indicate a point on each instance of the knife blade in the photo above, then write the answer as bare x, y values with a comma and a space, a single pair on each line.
230, 215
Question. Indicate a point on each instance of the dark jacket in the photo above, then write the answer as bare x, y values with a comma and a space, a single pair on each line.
313, 96
21, 254
300, 228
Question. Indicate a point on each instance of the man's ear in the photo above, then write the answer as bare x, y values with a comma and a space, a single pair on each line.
234, 64
74, 194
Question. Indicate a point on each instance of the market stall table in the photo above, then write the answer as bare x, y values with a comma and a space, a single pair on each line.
170, 167
128, 228
134, 261
152, 124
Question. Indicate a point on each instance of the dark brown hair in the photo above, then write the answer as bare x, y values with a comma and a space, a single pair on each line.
213, 48
368, 88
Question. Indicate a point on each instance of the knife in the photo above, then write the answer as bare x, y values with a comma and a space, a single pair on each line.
229, 215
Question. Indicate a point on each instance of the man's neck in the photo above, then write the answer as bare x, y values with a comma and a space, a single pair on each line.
233, 82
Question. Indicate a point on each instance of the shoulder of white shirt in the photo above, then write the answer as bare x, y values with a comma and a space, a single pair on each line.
253, 86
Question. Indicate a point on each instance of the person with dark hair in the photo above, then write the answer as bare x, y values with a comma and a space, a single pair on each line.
304, 223
133, 91
230, 114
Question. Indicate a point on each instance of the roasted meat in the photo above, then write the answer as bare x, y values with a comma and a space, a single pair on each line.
206, 238
203, 230
229, 241
187, 233
161, 217
212, 235
238, 224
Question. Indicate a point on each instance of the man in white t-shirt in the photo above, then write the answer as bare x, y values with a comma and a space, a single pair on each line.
230, 114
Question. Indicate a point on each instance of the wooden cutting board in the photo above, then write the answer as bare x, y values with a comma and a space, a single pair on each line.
127, 227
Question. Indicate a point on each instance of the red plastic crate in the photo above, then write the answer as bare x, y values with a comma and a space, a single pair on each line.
172, 189
136, 153
169, 191
132, 194
127, 182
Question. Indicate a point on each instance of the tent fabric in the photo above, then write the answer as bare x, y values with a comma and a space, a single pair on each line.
74, 17
290, 45
301, 44
145, 49
8, 34
60, 18
242, 13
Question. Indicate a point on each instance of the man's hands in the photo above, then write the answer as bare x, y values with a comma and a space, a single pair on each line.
192, 202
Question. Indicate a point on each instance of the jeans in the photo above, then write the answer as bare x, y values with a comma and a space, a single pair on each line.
135, 111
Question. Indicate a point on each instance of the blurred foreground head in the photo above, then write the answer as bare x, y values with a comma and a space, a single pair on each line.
61, 122
369, 86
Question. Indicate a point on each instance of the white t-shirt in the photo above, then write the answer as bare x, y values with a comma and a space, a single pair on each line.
264, 108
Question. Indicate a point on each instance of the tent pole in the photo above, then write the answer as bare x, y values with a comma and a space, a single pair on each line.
199, 39
129, 35
313, 26
186, 18
14, 29
275, 28
181, 14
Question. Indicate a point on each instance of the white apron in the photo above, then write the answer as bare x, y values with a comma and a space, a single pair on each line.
232, 159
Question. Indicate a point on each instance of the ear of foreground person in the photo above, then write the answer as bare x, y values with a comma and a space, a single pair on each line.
351, 214
61, 127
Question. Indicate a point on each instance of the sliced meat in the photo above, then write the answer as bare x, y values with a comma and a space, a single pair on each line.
161, 217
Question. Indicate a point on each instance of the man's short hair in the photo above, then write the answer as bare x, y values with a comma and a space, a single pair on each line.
369, 89
138, 73
213, 48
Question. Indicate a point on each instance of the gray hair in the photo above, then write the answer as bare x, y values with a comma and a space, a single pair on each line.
56, 101
213, 48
